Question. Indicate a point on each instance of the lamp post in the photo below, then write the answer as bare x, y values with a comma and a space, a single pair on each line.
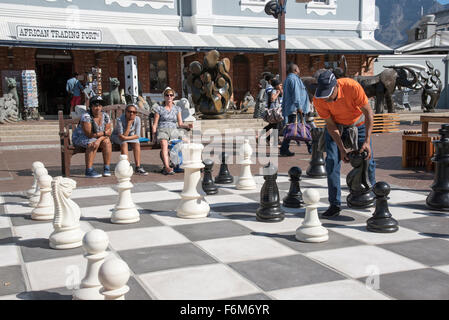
281, 40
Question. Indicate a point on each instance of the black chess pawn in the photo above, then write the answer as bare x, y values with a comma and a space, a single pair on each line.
208, 184
294, 196
360, 189
317, 167
270, 204
439, 196
382, 221
224, 177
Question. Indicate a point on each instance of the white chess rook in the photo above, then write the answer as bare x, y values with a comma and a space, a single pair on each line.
311, 229
34, 166
246, 180
113, 275
45, 209
67, 233
192, 204
95, 243
125, 210
34, 199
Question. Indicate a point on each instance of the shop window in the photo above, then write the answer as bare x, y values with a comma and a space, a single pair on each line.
158, 72
331, 61
270, 64
253, 5
322, 7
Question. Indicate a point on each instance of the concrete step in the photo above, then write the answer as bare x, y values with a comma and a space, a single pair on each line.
26, 128
27, 133
22, 138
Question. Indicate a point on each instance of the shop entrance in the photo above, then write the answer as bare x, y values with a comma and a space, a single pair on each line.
240, 77
53, 69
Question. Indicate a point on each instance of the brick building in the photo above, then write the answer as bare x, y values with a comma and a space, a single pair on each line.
56, 38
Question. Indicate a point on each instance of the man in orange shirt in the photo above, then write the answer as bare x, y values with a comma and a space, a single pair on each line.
344, 106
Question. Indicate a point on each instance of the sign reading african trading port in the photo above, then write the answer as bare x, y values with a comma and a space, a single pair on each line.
52, 33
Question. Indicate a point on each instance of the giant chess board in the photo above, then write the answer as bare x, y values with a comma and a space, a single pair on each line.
230, 255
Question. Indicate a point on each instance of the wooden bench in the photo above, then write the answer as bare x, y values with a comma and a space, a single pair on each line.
418, 147
66, 127
384, 122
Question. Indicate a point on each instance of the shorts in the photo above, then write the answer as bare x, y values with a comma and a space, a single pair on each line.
169, 134
76, 100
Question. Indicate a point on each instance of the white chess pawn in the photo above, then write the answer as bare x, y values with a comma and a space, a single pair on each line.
45, 209
95, 243
246, 180
113, 276
311, 229
192, 204
34, 199
34, 166
125, 210
67, 232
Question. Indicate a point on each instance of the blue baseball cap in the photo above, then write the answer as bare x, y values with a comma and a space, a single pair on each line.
326, 83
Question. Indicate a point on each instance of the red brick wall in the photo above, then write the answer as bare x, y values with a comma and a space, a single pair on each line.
23, 59
174, 72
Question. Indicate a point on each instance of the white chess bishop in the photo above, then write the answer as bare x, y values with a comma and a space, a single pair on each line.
34, 166
67, 233
95, 243
113, 275
192, 204
246, 180
125, 210
45, 209
311, 229
34, 199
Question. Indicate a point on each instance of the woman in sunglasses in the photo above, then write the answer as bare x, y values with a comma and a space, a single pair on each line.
127, 133
93, 132
167, 120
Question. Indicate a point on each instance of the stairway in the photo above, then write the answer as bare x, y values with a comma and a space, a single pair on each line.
45, 131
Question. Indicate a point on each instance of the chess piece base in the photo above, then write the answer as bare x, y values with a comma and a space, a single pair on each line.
365, 200
125, 216
312, 234
438, 200
317, 171
224, 180
66, 238
193, 209
269, 214
209, 191
88, 294
292, 202
34, 200
245, 184
42, 214
385, 225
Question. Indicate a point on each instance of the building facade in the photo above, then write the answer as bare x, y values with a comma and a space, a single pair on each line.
58, 37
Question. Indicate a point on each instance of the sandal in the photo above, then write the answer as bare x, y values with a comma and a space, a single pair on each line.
166, 172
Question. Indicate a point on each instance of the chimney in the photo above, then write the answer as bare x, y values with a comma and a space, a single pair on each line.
428, 25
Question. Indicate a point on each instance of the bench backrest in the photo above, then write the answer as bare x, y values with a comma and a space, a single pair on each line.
384, 122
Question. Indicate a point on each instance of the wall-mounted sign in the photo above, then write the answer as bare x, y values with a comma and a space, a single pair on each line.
54, 33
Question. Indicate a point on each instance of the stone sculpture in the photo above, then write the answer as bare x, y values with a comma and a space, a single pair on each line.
8, 109
294, 197
382, 221
245, 180
95, 243
311, 229
67, 233
270, 204
211, 85
317, 167
45, 208
11, 84
186, 112
113, 96
438, 198
432, 86
125, 210
192, 204
113, 275
360, 192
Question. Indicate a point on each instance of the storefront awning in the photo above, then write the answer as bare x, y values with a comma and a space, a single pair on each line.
125, 38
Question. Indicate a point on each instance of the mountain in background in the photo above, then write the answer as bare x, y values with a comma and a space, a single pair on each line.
398, 16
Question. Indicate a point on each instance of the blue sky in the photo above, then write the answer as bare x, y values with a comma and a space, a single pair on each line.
443, 1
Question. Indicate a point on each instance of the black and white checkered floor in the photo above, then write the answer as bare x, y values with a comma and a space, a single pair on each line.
230, 255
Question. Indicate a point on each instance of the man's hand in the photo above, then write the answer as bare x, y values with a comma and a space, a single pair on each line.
344, 156
366, 147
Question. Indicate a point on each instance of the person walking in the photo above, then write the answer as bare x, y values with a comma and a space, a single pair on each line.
295, 101
74, 89
274, 100
344, 106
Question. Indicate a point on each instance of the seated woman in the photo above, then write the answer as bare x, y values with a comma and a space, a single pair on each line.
93, 132
167, 120
127, 132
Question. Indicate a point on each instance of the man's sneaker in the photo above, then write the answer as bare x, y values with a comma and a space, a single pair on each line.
332, 211
141, 171
106, 171
287, 154
91, 173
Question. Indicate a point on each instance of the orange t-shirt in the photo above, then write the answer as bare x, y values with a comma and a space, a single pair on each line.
347, 108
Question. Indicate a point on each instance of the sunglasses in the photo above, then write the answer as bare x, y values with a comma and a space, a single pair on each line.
170, 95
132, 112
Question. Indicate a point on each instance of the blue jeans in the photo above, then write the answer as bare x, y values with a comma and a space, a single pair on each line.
333, 165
